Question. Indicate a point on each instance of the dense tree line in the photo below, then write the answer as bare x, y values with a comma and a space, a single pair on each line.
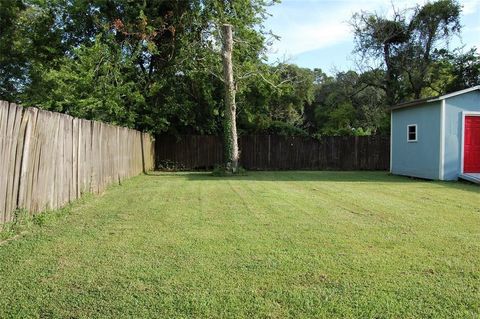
155, 65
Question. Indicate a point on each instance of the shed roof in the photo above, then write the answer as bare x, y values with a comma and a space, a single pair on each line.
433, 99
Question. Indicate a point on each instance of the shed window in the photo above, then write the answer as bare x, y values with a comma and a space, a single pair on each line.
412, 133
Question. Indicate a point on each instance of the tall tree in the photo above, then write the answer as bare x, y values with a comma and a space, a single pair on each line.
431, 25
404, 44
167, 51
230, 121
379, 42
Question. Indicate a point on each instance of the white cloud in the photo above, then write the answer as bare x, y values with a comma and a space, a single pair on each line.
302, 38
307, 25
470, 6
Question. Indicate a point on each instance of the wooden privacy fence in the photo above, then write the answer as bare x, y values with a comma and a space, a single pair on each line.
49, 159
270, 152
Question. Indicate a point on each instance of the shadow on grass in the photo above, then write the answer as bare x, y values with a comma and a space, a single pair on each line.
301, 176
316, 176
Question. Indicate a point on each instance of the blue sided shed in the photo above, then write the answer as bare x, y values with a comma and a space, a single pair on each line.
437, 138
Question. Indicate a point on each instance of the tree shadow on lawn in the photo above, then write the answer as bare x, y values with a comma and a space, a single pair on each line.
316, 176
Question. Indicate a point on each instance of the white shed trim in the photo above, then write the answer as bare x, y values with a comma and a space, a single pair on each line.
391, 141
442, 142
416, 133
446, 96
433, 99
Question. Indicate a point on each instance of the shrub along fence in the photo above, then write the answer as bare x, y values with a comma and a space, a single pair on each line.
49, 159
270, 152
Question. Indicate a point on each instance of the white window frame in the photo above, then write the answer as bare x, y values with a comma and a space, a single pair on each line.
416, 133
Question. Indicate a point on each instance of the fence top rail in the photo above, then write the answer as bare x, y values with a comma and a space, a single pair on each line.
6, 104
274, 135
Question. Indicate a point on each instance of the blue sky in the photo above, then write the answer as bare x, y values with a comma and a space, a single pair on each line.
316, 34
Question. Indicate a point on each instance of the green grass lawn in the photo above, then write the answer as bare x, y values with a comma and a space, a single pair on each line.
270, 244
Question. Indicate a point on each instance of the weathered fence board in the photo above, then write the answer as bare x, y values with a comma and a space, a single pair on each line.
49, 159
270, 152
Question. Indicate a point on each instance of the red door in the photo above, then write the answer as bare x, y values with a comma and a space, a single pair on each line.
471, 148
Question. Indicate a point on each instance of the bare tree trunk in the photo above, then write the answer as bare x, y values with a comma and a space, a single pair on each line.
230, 124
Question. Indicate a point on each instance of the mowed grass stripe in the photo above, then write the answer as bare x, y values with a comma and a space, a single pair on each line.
269, 244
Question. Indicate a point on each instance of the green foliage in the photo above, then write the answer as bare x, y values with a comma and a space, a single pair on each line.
152, 66
29, 37
405, 45
96, 83
463, 69
347, 105
285, 129
156, 66
275, 102
168, 165
222, 171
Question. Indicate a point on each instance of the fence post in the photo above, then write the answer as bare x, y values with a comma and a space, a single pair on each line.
269, 149
143, 153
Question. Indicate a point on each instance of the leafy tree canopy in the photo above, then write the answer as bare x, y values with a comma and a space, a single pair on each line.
156, 65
